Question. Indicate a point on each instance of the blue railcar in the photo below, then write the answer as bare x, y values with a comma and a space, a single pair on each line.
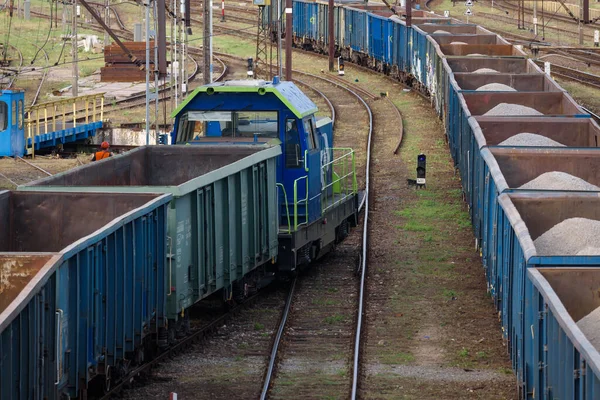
464, 148
12, 130
92, 301
522, 218
356, 32
380, 38
555, 299
400, 58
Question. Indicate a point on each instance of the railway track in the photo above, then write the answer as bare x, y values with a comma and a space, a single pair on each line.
272, 301
322, 312
573, 75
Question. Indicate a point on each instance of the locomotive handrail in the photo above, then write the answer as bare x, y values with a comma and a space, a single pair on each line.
287, 209
341, 178
296, 201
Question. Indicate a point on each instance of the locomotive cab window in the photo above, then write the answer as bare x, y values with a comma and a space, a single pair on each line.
313, 142
20, 114
293, 151
14, 113
3, 115
195, 125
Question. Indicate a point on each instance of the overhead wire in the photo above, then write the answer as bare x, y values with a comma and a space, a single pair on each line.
40, 48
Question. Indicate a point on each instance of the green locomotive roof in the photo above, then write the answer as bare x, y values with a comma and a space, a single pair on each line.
289, 94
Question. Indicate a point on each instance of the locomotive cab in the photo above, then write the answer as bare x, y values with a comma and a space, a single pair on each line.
12, 132
316, 182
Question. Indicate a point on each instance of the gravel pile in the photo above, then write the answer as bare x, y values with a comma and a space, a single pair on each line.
557, 180
530, 139
474, 55
512, 109
496, 87
569, 237
458, 43
485, 71
589, 251
590, 326
440, 32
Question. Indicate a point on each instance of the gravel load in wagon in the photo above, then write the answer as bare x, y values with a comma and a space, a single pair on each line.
530, 139
590, 326
557, 180
442, 32
569, 237
512, 109
496, 87
485, 71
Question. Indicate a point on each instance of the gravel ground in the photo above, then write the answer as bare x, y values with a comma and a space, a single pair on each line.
590, 326
485, 71
530, 139
497, 87
504, 109
557, 180
569, 237
20, 173
428, 316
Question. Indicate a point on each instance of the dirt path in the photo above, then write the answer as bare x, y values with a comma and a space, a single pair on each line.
431, 330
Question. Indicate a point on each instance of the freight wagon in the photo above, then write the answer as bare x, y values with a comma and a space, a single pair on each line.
128, 244
222, 220
82, 281
486, 92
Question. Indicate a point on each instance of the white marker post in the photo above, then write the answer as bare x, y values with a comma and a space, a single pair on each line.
596, 38
547, 68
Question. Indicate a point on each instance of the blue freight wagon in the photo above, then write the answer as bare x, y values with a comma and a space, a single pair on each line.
520, 219
222, 218
82, 289
561, 363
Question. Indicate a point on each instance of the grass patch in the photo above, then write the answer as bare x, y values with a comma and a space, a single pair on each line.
334, 319
258, 326
397, 358
449, 293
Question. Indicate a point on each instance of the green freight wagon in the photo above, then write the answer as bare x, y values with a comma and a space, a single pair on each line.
222, 221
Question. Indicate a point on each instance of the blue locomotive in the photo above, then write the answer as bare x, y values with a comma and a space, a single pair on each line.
101, 264
318, 198
486, 91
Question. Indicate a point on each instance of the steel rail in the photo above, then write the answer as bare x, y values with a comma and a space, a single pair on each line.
34, 166
273, 357
275, 349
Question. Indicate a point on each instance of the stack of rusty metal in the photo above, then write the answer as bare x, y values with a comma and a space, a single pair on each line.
119, 68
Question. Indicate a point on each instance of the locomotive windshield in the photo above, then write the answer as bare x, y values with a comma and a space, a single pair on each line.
233, 124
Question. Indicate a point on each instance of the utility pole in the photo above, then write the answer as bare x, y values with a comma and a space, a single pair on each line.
206, 43
279, 52
408, 13
147, 29
106, 21
75, 87
535, 21
580, 24
331, 37
288, 40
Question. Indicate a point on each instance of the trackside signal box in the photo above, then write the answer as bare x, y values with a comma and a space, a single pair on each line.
421, 169
340, 66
